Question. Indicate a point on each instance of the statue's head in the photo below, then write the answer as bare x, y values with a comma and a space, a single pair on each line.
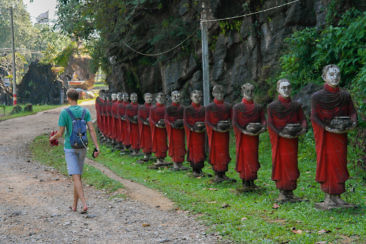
125, 96
114, 96
101, 94
148, 98
284, 88
133, 97
176, 96
196, 96
247, 91
119, 96
160, 98
218, 92
332, 75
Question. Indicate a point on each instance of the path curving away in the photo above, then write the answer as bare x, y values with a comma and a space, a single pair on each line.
34, 200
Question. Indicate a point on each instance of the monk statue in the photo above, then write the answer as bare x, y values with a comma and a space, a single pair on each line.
248, 122
98, 113
194, 124
332, 116
286, 122
114, 119
124, 123
175, 131
132, 124
118, 122
144, 127
101, 114
217, 118
158, 132
108, 113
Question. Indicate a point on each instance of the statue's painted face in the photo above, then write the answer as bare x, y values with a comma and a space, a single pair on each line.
284, 89
176, 97
114, 96
219, 95
133, 98
148, 98
125, 97
160, 99
333, 76
196, 97
119, 96
248, 92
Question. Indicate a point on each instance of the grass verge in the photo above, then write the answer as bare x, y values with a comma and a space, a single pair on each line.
5, 114
250, 217
54, 157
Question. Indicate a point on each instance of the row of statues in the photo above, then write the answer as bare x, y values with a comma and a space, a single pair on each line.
161, 128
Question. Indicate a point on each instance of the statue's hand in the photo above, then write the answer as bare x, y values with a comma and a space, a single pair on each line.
248, 133
333, 130
219, 130
286, 136
301, 132
354, 124
145, 122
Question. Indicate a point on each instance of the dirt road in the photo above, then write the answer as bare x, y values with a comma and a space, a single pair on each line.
34, 201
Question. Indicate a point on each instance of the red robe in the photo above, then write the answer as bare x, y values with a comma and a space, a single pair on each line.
218, 142
158, 135
284, 151
118, 123
108, 110
195, 141
176, 137
123, 124
114, 119
102, 116
331, 148
133, 127
247, 163
144, 130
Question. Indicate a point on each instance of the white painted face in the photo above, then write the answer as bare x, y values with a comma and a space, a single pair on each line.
125, 97
196, 97
176, 97
119, 96
133, 98
218, 95
160, 99
248, 93
333, 76
114, 96
148, 98
284, 89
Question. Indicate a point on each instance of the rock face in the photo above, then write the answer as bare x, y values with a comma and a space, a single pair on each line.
39, 85
241, 50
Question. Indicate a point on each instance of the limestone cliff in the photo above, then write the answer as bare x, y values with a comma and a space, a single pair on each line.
241, 50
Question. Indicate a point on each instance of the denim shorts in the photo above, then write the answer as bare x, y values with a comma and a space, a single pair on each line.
75, 160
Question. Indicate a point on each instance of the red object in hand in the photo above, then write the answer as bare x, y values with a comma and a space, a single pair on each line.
53, 142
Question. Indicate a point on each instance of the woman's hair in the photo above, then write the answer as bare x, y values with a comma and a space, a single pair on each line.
72, 94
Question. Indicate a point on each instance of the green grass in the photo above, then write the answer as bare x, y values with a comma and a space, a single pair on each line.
54, 156
36, 109
250, 216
